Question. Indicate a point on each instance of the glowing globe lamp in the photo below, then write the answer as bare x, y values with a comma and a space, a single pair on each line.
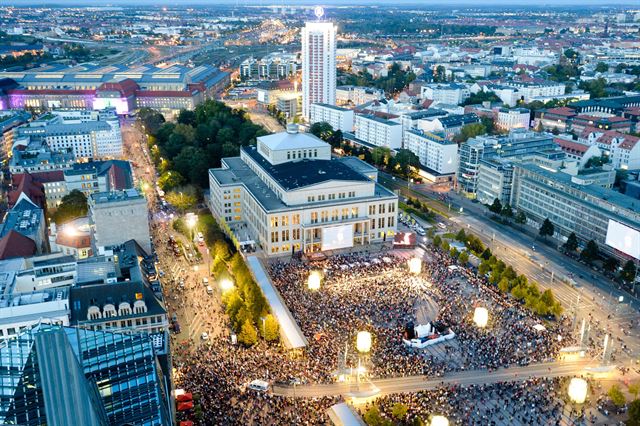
481, 317
578, 390
313, 282
415, 265
363, 342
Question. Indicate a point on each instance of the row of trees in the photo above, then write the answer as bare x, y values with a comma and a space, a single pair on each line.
505, 277
417, 207
197, 141
245, 304
591, 252
507, 212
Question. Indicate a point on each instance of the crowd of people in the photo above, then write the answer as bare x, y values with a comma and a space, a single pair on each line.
536, 401
218, 374
377, 293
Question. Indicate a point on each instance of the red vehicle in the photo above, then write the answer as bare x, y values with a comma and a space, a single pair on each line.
185, 397
184, 406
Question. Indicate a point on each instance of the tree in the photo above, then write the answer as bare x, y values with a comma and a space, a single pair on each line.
496, 207
372, 416
507, 211
628, 273
634, 389
169, 180
248, 335
322, 129
463, 258
546, 229
571, 245
521, 218
405, 160
486, 254
470, 131
72, 206
379, 155
461, 236
335, 140
634, 413
445, 245
611, 264
271, 331
437, 241
187, 117
221, 250
590, 252
399, 411
616, 395
440, 74
602, 67
182, 198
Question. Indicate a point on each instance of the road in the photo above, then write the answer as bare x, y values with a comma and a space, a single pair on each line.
418, 383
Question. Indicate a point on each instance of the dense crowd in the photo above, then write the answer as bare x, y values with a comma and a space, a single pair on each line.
378, 294
536, 401
218, 373
374, 292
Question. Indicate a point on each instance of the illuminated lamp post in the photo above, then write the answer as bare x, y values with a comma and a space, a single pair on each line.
481, 317
226, 285
578, 390
415, 265
313, 282
363, 345
439, 421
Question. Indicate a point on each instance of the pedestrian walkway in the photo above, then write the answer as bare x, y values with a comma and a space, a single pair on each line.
292, 336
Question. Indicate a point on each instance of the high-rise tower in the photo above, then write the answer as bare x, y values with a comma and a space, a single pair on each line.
318, 63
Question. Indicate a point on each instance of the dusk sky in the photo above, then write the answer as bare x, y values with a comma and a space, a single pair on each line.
329, 2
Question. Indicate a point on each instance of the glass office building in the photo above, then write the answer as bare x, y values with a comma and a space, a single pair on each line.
58, 375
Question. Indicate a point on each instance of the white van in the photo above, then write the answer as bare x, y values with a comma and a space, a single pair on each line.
209, 290
259, 385
205, 281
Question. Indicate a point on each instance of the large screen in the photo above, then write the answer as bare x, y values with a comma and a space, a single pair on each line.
337, 237
623, 238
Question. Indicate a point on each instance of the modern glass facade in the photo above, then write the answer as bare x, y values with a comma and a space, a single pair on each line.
50, 373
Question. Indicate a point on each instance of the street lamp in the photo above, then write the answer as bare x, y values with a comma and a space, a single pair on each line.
226, 285
439, 421
192, 219
481, 317
363, 342
578, 390
415, 265
313, 282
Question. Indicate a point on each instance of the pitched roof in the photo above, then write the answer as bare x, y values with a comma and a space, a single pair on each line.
14, 244
26, 184
572, 147
563, 111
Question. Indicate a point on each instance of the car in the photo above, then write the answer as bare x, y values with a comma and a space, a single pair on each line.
442, 225
420, 231
259, 385
204, 335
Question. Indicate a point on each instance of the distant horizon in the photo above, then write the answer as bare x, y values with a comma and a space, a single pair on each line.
265, 3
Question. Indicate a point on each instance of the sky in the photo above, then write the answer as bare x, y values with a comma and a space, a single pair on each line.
424, 3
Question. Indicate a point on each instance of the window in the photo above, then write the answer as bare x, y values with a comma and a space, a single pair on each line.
274, 237
345, 213
285, 220
285, 235
372, 209
390, 221
314, 217
295, 219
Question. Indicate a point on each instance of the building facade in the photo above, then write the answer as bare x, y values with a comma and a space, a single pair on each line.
119, 216
318, 65
435, 152
378, 131
292, 196
583, 209
339, 118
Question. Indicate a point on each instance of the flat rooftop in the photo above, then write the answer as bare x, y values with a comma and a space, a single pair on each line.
306, 172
